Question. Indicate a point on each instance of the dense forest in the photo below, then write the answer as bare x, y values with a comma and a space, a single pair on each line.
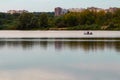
85, 20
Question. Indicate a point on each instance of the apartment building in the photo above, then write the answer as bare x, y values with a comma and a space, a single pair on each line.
16, 11
60, 11
95, 9
76, 9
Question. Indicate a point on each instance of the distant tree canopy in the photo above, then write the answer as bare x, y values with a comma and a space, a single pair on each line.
85, 20
25, 21
43, 20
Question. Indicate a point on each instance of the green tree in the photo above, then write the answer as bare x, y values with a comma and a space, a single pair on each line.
71, 19
43, 20
60, 22
87, 17
101, 18
34, 23
25, 21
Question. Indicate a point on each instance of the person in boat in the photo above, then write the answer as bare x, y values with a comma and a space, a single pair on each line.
88, 33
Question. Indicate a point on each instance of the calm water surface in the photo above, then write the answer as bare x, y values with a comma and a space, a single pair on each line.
59, 59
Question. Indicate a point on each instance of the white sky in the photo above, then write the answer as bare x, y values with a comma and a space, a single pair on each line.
49, 5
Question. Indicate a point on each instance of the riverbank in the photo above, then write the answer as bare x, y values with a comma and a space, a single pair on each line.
58, 34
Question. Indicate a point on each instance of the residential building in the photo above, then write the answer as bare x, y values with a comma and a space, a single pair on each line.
94, 9
112, 10
76, 9
59, 11
16, 11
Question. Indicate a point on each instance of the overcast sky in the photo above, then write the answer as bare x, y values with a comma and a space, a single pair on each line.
49, 5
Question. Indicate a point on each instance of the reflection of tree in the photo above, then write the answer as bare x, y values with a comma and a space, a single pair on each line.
60, 45
27, 44
86, 46
23, 44
2, 44
117, 47
93, 45
43, 44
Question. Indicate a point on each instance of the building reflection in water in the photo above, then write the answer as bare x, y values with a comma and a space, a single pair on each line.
58, 45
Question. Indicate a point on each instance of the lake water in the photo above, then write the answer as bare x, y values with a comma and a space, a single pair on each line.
59, 59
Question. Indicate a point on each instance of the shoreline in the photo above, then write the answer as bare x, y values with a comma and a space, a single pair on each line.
58, 34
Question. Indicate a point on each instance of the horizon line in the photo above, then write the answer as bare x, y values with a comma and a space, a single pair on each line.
60, 7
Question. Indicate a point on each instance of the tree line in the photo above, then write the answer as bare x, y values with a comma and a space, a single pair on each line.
85, 20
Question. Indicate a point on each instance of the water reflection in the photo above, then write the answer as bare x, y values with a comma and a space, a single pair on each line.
61, 44
36, 59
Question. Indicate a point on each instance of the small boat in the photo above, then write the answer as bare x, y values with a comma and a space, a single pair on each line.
88, 33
